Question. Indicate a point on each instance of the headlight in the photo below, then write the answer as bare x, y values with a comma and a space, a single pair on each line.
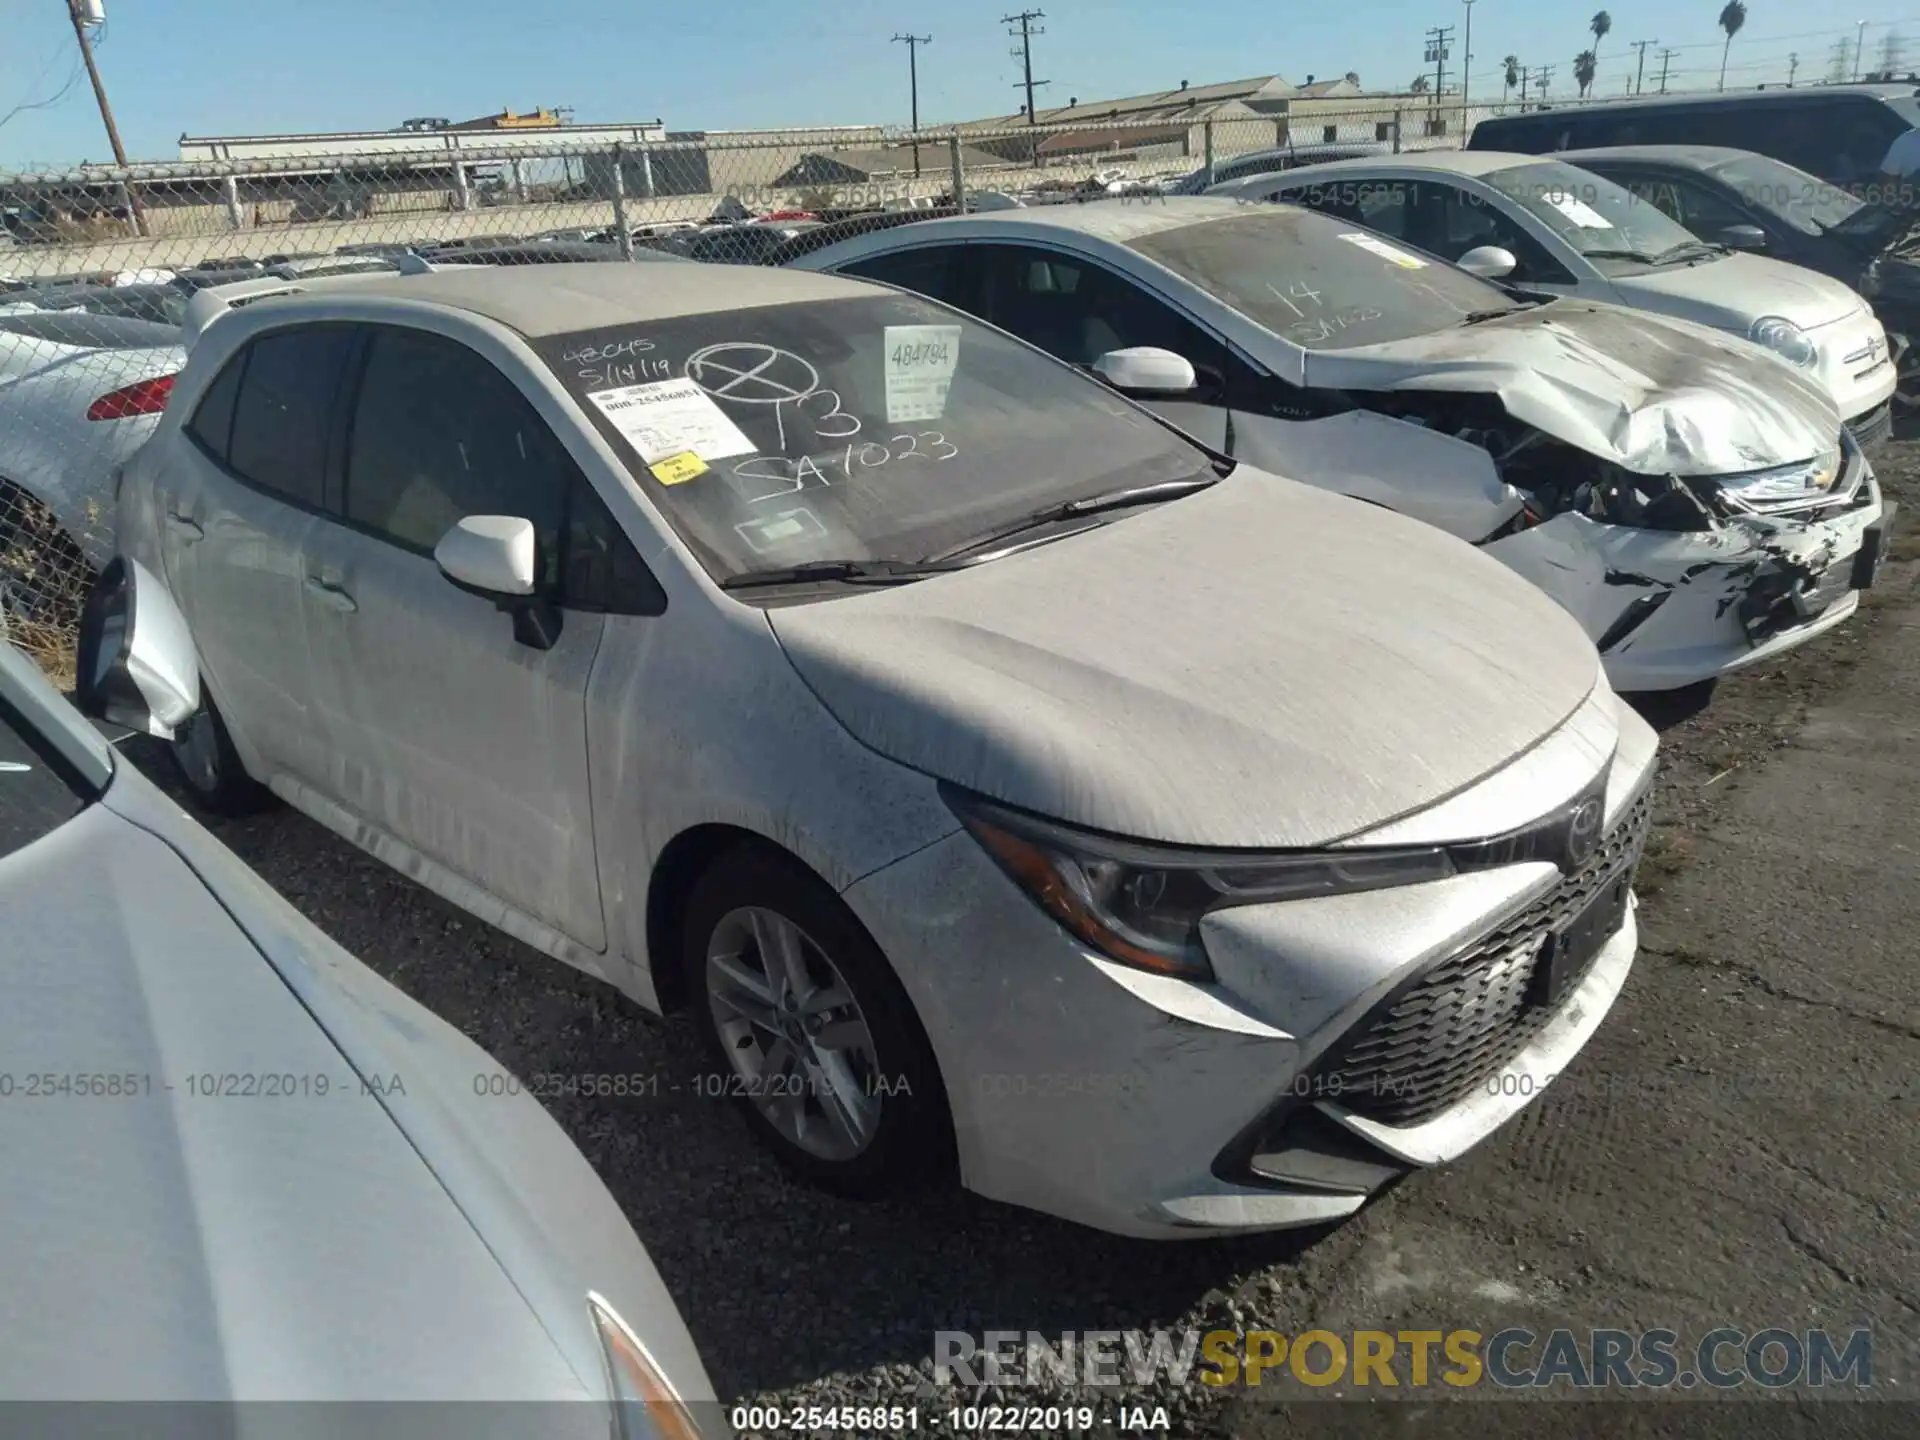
1142, 904
646, 1406
1785, 339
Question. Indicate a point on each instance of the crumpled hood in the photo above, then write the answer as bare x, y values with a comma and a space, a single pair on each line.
1655, 395
1263, 664
261, 1230
1737, 289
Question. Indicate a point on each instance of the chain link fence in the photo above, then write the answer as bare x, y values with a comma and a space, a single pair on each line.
97, 265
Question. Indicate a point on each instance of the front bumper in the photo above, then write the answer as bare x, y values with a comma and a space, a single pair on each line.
1154, 1107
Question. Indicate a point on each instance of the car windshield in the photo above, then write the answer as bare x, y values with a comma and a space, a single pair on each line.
1808, 204
878, 427
1603, 221
37, 796
1320, 282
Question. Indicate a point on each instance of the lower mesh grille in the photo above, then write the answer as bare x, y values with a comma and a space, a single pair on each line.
1428, 1046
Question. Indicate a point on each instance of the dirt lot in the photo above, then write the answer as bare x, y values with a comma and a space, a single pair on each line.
1736, 1146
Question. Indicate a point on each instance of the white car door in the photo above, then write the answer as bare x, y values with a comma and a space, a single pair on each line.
445, 731
238, 489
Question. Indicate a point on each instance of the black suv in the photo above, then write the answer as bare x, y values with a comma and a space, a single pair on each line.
1839, 133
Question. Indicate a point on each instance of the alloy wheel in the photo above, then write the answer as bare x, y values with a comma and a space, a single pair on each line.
801, 1049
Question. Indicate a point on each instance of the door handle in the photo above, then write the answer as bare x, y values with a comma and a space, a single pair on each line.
332, 596
188, 527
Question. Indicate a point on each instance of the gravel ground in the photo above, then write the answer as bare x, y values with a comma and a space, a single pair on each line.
797, 1298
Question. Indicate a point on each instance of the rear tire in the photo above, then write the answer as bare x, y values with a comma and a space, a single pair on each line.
204, 755
808, 1028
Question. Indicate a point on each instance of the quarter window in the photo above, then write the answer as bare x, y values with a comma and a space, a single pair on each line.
212, 423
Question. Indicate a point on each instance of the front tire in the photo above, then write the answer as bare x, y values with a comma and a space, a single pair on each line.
204, 755
809, 1029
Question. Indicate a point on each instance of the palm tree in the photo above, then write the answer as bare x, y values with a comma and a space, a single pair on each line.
1601, 25
1583, 68
1732, 17
1512, 76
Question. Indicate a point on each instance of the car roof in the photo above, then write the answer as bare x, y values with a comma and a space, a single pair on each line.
1116, 218
1884, 90
539, 300
1687, 157
1451, 162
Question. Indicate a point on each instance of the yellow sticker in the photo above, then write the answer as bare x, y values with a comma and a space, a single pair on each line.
678, 469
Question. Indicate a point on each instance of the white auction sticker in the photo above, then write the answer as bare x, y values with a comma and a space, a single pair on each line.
672, 417
1577, 210
921, 360
1391, 253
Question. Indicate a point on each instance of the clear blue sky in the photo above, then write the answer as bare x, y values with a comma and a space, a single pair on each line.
223, 67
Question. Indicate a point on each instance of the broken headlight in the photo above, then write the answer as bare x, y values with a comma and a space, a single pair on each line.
1785, 339
1142, 904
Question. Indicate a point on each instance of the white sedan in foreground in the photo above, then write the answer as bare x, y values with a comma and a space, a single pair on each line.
934, 723
1694, 503
246, 1168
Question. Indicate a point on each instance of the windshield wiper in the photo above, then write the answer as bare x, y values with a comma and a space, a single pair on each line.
1640, 255
1689, 250
1475, 317
852, 572
1073, 509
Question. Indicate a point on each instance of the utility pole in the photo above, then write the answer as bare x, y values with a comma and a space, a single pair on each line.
1545, 74
1466, 66
1437, 52
1640, 69
1859, 39
913, 44
1793, 67
1666, 59
1026, 32
80, 23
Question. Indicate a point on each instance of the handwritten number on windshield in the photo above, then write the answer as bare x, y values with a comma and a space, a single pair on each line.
843, 424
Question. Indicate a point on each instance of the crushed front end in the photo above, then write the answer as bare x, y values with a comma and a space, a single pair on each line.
1682, 579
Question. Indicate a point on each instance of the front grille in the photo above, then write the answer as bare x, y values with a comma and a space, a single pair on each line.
1873, 427
1458, 1024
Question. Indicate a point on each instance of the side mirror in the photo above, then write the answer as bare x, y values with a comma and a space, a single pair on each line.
1743, 237
1489, 262
136, 665
1146, 369
496, 557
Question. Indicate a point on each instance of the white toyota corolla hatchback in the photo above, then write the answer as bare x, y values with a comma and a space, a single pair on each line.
954, 738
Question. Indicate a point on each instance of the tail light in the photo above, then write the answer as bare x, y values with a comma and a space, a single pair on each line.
143, 397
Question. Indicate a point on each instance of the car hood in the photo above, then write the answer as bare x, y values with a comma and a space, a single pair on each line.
1732, 291
1654, 395
1263, 664
227, 1230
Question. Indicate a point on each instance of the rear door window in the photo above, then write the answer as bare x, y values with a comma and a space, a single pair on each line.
284, 413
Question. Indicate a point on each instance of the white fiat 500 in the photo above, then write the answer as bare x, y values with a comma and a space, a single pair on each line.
946, 732
1694, 503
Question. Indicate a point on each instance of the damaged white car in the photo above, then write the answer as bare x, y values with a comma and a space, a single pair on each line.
1692, 500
